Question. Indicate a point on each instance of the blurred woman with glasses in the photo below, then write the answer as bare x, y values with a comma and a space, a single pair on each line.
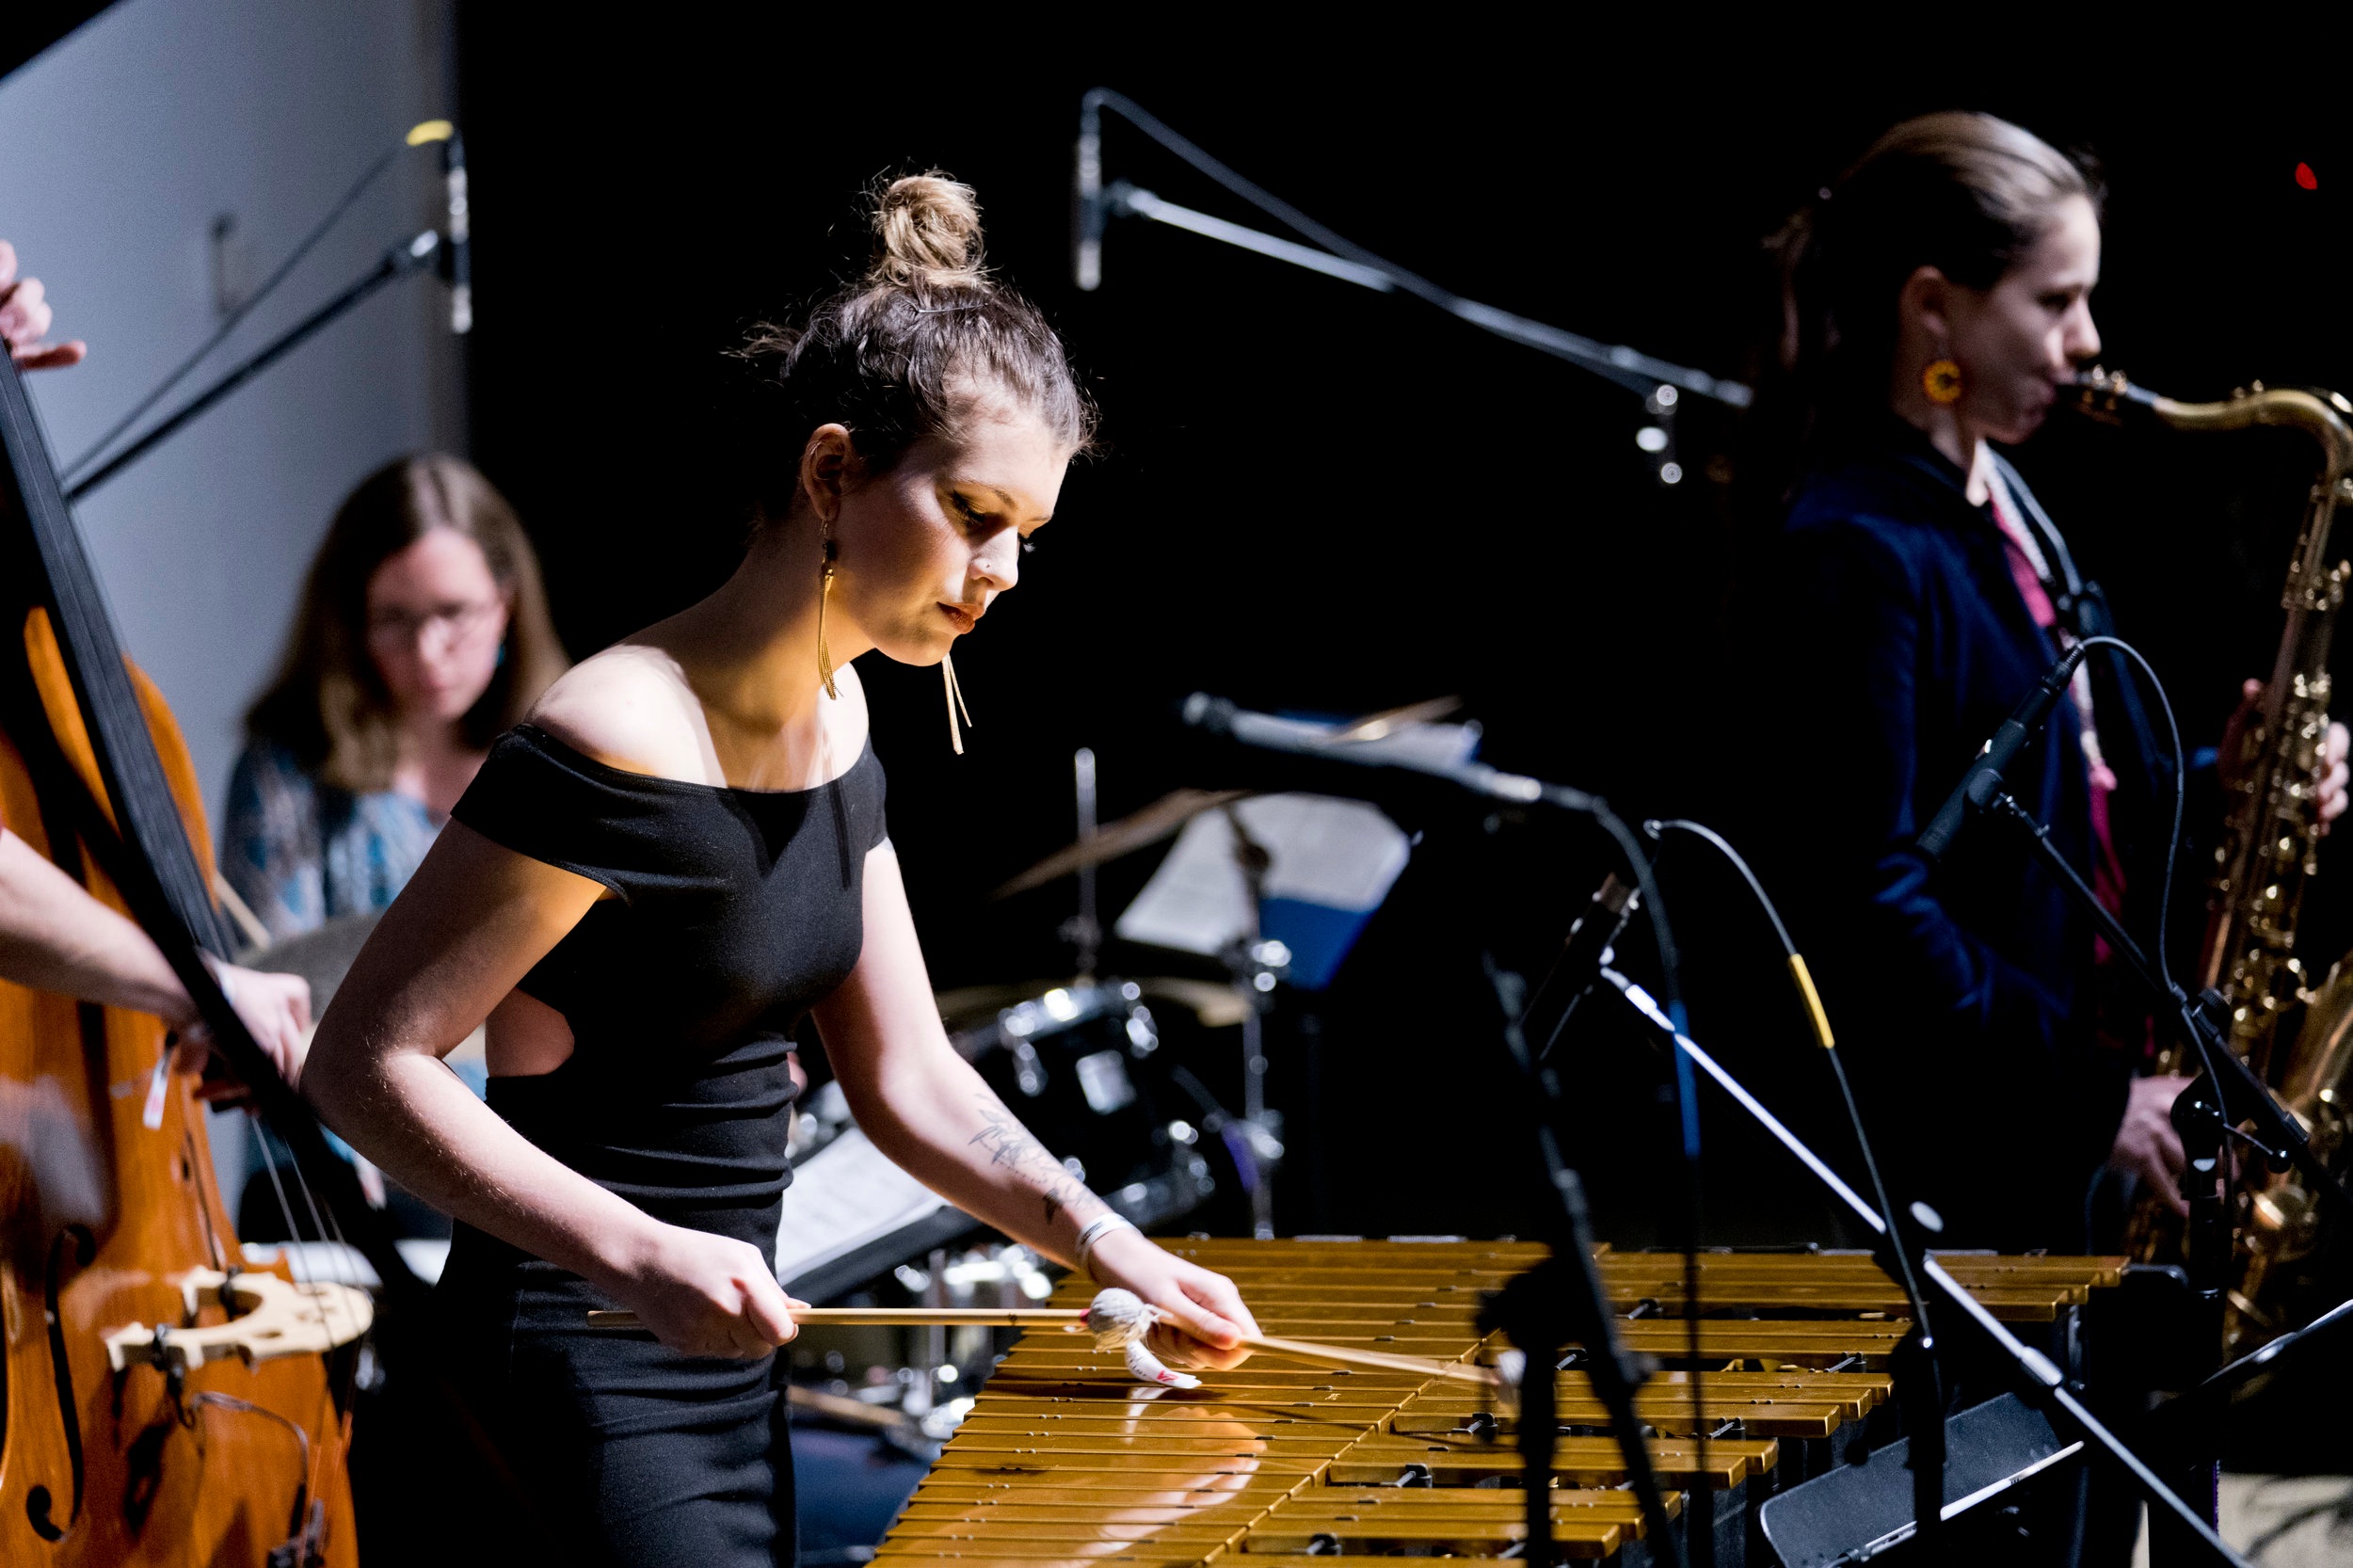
422, 634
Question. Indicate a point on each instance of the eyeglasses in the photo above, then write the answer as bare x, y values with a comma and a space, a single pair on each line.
453, 625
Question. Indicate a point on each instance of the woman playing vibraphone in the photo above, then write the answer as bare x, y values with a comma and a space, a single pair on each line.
680, 855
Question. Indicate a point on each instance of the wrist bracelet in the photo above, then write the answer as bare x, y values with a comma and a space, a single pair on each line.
1096, 1229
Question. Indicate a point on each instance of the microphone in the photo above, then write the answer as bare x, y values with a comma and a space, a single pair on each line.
1086, 199
1984, 777
1583, 953
457, 256
1268, 732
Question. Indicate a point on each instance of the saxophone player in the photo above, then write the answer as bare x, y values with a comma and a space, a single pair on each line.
1936, 301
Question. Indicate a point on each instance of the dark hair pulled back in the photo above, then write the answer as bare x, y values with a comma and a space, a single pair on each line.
908, 349
1965, 192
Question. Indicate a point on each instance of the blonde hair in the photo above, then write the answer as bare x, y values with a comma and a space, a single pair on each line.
327, 705
902, 351
927, 228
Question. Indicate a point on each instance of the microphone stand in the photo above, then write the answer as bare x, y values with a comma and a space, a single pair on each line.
1561, 1299
398, 261
2224, 1092
2041, 1381
2174, 1419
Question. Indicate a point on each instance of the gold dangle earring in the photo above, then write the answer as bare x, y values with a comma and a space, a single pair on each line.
825, 592
955, 703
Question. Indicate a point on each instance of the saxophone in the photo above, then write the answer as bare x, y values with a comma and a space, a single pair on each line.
2296, 1035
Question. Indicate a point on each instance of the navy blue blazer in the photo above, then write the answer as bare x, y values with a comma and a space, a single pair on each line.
1884, 639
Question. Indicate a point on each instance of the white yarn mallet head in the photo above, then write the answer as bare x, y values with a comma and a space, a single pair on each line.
1119, 1319
1510, 1367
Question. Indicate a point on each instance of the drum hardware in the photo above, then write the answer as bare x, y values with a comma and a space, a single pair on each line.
1254, 1140
1083, 1065
856, 1413
1257, 966
923, 1361
1083, 931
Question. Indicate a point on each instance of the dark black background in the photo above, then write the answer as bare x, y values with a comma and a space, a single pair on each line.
1315, 497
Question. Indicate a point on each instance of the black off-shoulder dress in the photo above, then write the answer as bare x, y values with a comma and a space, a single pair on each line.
736, 910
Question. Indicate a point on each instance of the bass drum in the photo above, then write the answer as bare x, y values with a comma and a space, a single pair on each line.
1084, 1067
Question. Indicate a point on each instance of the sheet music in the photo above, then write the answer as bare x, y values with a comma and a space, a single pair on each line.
843, 1197
1336, 854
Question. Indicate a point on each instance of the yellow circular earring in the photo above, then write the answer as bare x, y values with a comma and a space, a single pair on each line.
1942, 382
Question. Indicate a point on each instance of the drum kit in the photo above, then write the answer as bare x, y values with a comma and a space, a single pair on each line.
1114, 1086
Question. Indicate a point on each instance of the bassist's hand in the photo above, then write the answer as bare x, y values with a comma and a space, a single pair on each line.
276, 1009
24, 321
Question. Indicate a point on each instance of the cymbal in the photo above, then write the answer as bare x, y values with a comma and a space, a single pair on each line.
971, 1004
322, 955
1388, 721
1216, 1002
1156, 822
1170, 812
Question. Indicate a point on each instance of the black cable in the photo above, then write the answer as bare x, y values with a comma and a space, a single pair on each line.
228, 323
1818, 1020
1907, 1278
2181, 783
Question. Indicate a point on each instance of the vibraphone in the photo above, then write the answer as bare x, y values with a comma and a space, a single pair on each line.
1064, 1460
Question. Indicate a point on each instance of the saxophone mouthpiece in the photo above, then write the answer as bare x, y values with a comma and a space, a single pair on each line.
2102, 394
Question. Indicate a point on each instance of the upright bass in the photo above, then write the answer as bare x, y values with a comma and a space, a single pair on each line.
167, 1398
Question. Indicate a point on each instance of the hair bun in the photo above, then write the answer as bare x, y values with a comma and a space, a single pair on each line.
927, 231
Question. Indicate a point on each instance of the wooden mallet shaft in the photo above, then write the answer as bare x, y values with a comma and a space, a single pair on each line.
1070, 1320
1074, 1321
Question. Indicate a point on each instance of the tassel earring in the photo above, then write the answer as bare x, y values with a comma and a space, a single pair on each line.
824, 593
955, 703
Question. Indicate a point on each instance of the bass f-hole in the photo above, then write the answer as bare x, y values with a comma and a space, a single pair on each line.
39, 1504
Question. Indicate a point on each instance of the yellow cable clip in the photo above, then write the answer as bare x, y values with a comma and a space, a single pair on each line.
431, 130
1813, 1000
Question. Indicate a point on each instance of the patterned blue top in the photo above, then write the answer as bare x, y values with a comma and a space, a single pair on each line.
303, 853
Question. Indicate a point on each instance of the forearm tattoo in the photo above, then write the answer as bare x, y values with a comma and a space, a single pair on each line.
1009, 1144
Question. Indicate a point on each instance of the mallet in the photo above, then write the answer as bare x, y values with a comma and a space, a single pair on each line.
1119, 1319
